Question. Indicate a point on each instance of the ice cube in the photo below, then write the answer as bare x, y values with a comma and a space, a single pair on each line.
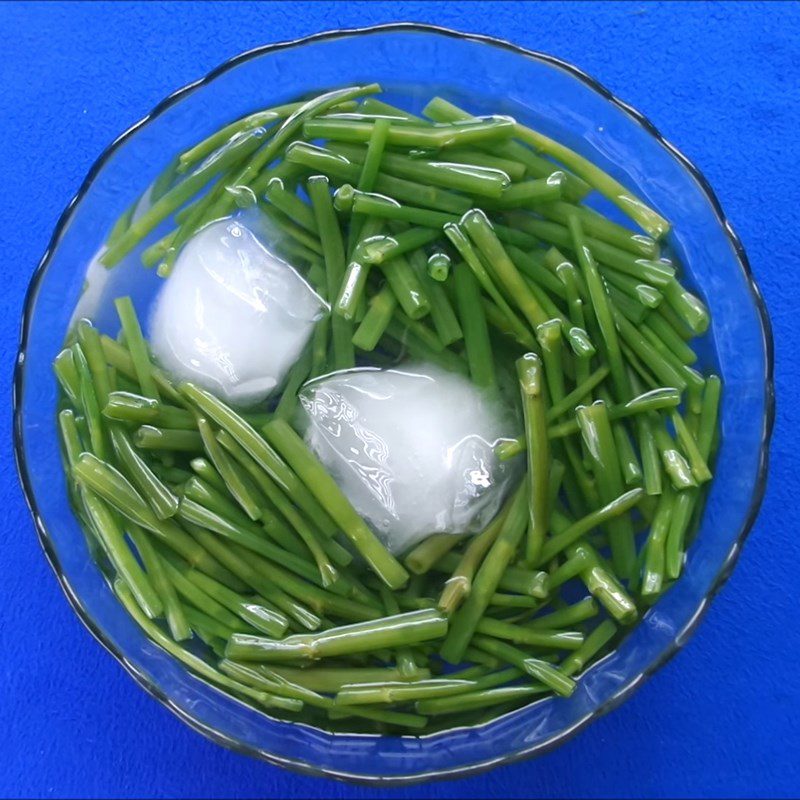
232, 316
412, 448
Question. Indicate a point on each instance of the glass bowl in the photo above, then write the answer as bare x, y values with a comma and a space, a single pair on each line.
488, 76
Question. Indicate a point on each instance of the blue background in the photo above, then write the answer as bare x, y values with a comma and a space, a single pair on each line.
720, 81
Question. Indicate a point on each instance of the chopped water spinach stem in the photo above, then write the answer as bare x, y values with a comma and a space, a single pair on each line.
351, 241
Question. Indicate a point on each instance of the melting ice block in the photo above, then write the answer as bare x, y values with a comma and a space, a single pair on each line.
232, 316
411, 448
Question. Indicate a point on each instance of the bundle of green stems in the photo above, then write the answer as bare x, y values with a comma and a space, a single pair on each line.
467, 242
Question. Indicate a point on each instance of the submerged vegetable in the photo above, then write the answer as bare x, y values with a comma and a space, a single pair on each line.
469, 246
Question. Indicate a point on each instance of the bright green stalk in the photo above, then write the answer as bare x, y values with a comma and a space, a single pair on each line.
548, 334
519, 634
401, 629
654, 400
120, 359
643, 348
651, 458
530, 192
577, 530
319, 347
459, 585
654, 570
675, 322
136, 346
210, 631
262, 452
630, 307
354, 280
407, 287
602, 583
637, 290
628, 460
674, 462
321, 600
689, 308
293, 207
375, 155
404, 656
647, 219
444, 170
333, 250
89, 340
149, 437
112, 537
250, 610
569, 276
328, 494
235, 482
297, 376
593, 643
384, 248
708, 416
276, 144
176, 572
109, 484
371, 164
480, 231
129, 407
687, 500
400, 692
372, 327
479, 699
441, 110
512, 447
531, 381
177, 196
430, 551
67, 374
319, 160
571, 568
599, 443
570, 615
333, 679
173, 610
216, 497
442, 314
537, 668
599, 300
479, 158
221, 137
70, 438
89, 404
698, 465
378, 205
192, 661
439, 266
601, 228
260, 677
250, 538
515, 579
476, 333
242, 564
471, 258
309, 540
465, 620
655, 273
412, 136
159, 496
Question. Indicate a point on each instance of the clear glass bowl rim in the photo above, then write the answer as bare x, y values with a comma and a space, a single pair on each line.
635, 681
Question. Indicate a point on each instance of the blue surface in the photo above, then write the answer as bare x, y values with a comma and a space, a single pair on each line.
721, 82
